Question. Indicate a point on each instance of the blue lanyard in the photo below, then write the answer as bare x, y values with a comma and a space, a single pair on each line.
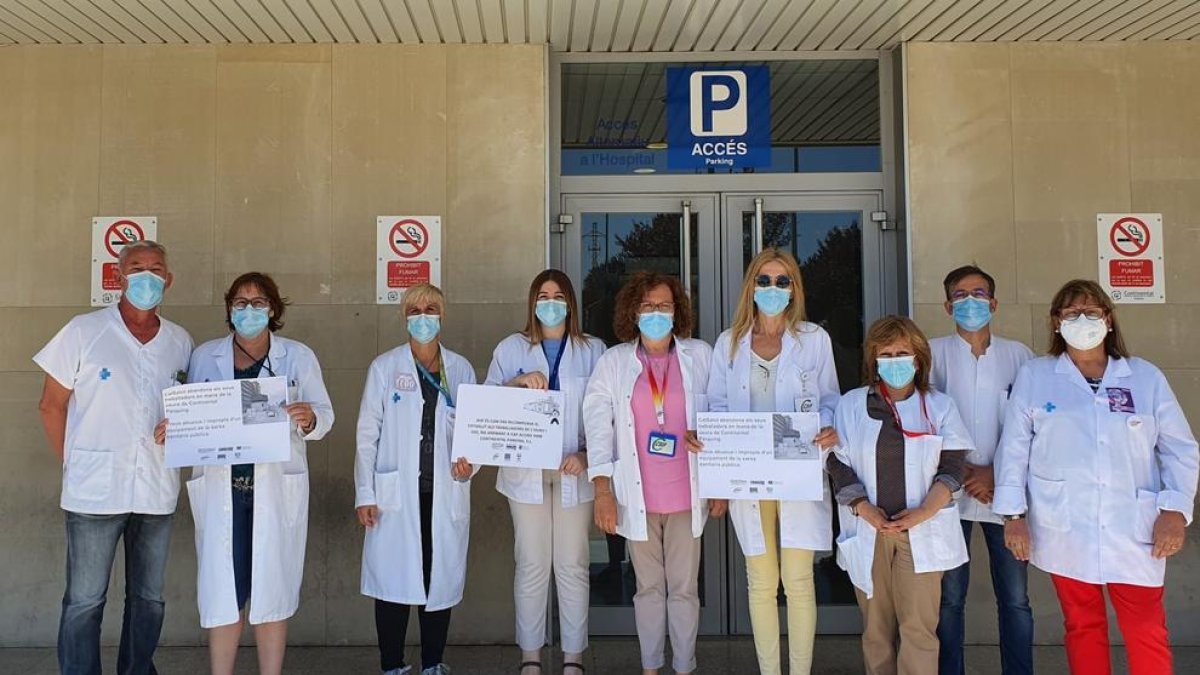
441, 385
562, 347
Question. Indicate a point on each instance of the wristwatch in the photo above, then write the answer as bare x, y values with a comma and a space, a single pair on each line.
1008, 519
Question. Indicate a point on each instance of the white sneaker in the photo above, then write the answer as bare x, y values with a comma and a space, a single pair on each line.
439, 669
406, 670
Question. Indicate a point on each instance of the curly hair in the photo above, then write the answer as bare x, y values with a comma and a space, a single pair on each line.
625, 314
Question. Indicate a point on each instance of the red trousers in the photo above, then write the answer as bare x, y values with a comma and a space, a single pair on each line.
1140, 616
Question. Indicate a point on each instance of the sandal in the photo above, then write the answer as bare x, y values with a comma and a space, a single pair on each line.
573, 665
530, 664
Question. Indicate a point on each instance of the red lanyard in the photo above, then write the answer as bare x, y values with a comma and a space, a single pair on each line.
659, 396
900, 423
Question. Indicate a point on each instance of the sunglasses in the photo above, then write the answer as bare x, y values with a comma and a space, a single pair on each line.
781, 281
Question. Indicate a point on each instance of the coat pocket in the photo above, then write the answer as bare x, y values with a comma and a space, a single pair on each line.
460, 496
942, 537
1048, 504
195, 493
387, 490
89, 474
295, 497
1147, 514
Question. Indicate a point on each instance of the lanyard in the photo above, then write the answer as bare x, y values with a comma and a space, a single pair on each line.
441, 384
900, 424
659, 396
264, 362
562, 347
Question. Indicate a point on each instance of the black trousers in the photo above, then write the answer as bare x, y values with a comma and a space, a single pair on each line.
391, 619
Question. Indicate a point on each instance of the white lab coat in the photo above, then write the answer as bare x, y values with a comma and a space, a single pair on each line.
280, 497
937, 544
980, 388
611, 437
806, 372
386, 470
1096, 477
514, 356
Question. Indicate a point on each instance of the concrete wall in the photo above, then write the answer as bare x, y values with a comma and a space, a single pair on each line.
1013, 150
275, 159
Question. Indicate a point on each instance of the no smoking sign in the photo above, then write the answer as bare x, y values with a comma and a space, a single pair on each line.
408, 252
1130, 251
110, 235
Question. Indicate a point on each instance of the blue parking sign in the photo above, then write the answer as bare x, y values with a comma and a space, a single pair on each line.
718, 117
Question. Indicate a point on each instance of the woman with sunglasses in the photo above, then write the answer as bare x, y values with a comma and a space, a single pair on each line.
252, 519
639, 413
1097, 452
900, 462
772, 360
551, 510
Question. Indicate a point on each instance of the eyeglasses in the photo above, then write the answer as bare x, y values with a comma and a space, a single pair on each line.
665, 307
1072, 313
781, 281
978, 293
256, 303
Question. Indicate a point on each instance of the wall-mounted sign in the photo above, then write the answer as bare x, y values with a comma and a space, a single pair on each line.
718, 118
1131, 257
408, 252
110, 234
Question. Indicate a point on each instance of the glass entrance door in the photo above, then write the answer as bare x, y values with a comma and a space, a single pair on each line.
609, 238
838, 249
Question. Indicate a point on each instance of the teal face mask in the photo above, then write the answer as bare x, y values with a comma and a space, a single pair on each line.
772, 300
424, 327
145, 290
971, 314
551, 312
897, 371
250, 322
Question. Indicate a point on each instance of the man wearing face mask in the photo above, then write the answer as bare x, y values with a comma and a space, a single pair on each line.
105, 372
977, 369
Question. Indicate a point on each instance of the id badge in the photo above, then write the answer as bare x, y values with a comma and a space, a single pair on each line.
806, 404
662, 444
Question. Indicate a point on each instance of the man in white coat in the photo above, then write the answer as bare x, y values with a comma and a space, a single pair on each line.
977, 369
105, 372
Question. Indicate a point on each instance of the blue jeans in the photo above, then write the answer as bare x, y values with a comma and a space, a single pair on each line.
1010, 583
91, 547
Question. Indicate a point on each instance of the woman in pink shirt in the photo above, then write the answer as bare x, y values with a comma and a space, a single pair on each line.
639, 412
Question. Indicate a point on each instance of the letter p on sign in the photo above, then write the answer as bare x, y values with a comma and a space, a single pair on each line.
718, 103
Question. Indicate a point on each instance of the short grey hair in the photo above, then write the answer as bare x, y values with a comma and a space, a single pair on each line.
141, 245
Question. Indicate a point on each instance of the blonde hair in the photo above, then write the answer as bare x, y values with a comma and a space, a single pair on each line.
423, 294
746, 312
884, 332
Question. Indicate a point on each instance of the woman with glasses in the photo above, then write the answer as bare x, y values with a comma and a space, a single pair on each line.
551, 510
639, 414
252, 519
413, 499
895, 474
772, 360
1097, 453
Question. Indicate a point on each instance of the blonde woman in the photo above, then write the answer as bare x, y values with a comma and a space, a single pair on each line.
551, 510
772, 360
900, 461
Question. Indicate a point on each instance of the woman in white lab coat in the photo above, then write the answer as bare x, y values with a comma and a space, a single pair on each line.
252, 519
899, 465
639, 414
414, 500
1097, 452
551, 510
772, 360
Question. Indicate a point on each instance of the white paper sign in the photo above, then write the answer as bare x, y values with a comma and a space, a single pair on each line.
408, 252
1130, 247
110, 234
509, 426
760, 456
232, 422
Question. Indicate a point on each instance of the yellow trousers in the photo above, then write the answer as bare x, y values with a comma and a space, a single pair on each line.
764, 573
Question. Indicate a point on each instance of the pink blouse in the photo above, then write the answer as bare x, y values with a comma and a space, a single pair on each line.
666, 481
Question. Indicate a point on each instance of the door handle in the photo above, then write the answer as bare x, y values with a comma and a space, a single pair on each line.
758, 225
686, 241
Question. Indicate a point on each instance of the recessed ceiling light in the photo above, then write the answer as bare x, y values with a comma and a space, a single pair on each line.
644, 169
659, 145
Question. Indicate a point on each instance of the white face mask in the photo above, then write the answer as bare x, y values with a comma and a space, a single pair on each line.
1083, 333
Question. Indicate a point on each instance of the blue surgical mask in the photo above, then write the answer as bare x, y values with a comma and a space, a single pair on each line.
971, 314
424, 327
656, 325
145, 290
898, 372
772, 300
250, 322
551, 312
